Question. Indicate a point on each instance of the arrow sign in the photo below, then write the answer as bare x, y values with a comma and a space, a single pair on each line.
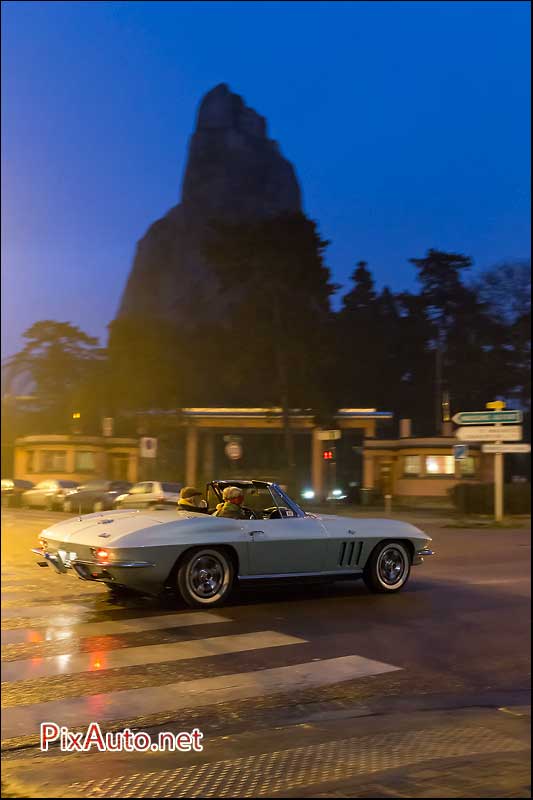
506, 448
490, 433
487, 417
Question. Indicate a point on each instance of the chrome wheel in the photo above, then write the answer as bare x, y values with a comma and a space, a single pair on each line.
391, 565
205, 577
388, 567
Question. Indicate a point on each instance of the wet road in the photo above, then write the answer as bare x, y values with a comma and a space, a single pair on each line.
274, 668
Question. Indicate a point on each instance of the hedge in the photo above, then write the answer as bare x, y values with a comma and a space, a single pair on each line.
478, 498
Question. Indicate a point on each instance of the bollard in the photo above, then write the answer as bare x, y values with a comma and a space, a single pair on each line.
388, 503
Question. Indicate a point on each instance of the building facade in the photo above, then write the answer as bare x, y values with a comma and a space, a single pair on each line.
76, 457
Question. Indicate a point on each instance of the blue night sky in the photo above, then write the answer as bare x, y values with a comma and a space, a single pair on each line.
407, 123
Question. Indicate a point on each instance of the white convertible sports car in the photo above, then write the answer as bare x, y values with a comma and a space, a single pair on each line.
203, 556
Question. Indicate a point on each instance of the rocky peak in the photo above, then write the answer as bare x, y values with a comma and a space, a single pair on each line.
220, 108
234, 172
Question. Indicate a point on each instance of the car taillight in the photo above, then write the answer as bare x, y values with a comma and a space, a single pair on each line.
100, 553
43, 544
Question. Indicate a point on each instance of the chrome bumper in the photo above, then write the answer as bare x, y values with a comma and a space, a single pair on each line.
420, 554
51, 558
87, 570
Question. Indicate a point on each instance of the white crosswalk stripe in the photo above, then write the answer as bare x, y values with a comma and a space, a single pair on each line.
98, 651
137, 656
55, 631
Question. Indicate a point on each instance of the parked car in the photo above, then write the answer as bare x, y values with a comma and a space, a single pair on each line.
149, 493
202, 557
95, 496
12, 489
48, 494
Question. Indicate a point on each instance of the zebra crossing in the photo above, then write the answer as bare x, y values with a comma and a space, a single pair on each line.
97, 660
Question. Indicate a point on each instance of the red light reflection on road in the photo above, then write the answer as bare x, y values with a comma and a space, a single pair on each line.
98, 661
34, 637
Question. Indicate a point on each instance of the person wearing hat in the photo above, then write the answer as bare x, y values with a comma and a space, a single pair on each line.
233, 498
191, 499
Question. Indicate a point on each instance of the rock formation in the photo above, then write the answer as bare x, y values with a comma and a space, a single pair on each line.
234, 173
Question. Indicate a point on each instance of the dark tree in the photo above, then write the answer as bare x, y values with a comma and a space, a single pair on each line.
506, 291
276, 346
63, 363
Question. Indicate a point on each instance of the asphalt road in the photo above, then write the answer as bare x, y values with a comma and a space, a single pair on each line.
299, 691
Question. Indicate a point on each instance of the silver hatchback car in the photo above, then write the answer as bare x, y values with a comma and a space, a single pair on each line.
149, 493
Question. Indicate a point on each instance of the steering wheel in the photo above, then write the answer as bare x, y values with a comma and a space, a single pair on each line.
251, 514
274, 512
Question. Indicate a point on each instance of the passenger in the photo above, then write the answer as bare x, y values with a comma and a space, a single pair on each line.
231, 507
191, 499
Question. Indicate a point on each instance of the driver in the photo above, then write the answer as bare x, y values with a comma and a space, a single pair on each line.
231, 507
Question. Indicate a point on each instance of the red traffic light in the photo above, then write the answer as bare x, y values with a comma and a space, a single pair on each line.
327, 455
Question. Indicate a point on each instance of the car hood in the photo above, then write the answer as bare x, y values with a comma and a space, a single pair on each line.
371, 526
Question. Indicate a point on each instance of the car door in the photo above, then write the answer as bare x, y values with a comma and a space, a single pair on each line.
42, 493
290, 545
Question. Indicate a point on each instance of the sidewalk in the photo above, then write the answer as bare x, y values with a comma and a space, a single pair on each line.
440, 517
470, 752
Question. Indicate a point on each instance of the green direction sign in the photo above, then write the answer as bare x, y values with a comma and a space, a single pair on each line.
487, 417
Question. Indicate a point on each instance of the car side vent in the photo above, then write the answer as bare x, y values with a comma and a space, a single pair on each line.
348, 551
346, 554
343, 552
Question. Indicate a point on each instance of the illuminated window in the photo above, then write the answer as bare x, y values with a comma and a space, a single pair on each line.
440, 465
467, 466
84, 461
411, 465
53, 460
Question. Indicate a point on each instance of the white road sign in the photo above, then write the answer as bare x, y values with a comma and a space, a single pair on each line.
148, 447
487, 417
490, 433
325, 436
233, 450
506, 448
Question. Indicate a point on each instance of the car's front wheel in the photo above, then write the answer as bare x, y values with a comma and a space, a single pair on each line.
387, 570
205, 577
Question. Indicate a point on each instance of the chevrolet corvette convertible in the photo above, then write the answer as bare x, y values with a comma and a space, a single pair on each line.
158, 550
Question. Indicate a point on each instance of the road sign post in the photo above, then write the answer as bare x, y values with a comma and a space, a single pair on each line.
495, 426
506, 448
489, 433
498, 406
487, 417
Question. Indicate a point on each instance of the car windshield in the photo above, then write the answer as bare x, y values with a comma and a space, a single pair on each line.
94, 486
174, 488
259, 497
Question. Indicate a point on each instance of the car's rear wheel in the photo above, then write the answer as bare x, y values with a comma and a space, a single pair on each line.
387, 570
205, 577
